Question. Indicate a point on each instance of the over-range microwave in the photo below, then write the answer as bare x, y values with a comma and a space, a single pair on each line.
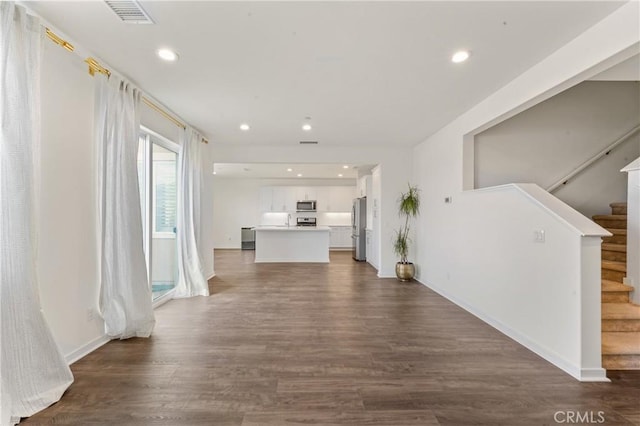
306, 206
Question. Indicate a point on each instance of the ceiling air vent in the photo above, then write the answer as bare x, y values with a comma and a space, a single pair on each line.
308, 142
130, 12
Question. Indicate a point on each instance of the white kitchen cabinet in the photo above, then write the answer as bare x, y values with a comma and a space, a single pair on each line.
334, 237
277, 199
303, 193
266, 198
322, 198
347, 197
284, 198
340, 237
346, 237
340, 199
290, 198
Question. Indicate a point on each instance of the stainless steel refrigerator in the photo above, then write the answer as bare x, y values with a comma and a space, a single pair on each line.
358, 228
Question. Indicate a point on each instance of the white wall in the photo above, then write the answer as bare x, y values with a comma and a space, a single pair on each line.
237, 205
395, 164
441, 168
67, 260
68, 239
546, 142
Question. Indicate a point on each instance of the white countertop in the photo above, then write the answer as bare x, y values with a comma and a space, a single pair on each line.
293, 228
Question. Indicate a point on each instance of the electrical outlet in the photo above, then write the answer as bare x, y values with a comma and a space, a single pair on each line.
90, 314
539, 236
448, 200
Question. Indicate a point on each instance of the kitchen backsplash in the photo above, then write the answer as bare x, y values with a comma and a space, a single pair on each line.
324, 218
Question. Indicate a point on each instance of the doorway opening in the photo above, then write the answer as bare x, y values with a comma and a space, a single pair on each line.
158, 180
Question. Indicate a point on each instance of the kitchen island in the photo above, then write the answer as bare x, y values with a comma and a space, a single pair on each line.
292, 244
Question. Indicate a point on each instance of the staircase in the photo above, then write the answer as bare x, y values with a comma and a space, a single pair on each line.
620, 318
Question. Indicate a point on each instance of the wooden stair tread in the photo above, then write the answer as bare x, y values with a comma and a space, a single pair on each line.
620, 342
614, 266
620, 311
614, 247
608, 285
620, 319
617, 231
610, 216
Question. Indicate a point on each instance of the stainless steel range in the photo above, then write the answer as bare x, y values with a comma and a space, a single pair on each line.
306, 221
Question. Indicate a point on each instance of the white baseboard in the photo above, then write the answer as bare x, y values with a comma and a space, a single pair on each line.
582, 374
386, 273
380, 275
593, 375
86, 349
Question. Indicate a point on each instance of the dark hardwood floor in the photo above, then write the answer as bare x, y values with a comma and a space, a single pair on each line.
313, 344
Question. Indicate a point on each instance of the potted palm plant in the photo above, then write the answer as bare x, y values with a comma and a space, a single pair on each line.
408, 208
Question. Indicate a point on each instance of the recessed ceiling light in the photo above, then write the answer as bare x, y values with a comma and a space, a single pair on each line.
340, 175
299, 174
345, 167
215, 173
244, 127
167, 55
306, 127
289, 170
460, 56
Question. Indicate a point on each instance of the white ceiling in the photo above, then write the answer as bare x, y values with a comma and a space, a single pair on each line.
280, 171
367, 73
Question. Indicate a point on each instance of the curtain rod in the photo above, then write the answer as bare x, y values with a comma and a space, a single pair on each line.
94, 66
59, 40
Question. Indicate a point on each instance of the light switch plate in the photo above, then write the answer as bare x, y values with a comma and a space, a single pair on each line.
539, 236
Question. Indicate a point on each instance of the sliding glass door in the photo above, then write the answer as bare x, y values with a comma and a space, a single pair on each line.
157, 172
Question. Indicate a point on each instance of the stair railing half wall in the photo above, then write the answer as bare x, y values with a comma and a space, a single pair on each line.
606, 151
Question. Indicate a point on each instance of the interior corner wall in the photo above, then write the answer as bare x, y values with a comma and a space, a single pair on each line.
438, 162
67, 236
549, 140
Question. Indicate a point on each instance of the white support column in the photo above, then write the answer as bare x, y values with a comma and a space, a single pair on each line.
633, 229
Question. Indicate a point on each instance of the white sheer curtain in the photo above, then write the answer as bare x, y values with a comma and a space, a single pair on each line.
191, 281
33, 372
125, 296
